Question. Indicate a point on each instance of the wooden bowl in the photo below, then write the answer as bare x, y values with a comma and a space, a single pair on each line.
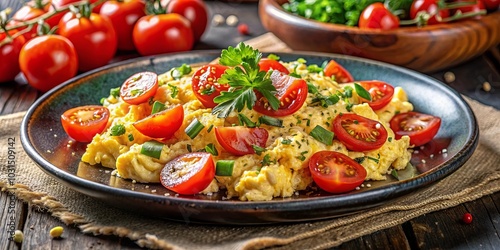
426, 49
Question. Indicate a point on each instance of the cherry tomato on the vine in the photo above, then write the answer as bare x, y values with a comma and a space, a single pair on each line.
157, 34
341, 75
94, 38
123, 15
139, 87
335, 172
376, 16
266, 64
359, 133
429, 7
290, 91
421, 128
83, 123
476, 7
195, 11
205, 85
30, 11
46, 61
59, 4
240, 140
162, 124
188, 174
381, 93
9, 56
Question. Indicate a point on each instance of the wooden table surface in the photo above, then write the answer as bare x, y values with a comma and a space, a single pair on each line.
438, 230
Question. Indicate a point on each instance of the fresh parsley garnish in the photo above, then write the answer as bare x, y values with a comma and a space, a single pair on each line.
244, 78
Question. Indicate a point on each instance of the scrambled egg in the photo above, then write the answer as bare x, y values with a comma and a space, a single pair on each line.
287, 171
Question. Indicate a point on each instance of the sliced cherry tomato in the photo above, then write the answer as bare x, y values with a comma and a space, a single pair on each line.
429, 7
381, 93
47, 61
139, 87
335, 172
421, 128
164, 33
239, 140
94, 38
376, 16
359, 133
291, 92
188, 174
340, 73
162, 124
205, 85
193, 10
83, 123
9, 56
266, 64
123, 15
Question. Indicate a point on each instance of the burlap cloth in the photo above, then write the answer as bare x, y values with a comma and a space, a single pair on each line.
480, 176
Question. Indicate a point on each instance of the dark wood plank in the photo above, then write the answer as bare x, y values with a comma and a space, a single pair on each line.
391, 238
12, 218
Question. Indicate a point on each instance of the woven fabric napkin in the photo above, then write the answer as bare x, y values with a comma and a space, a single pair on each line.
92, 216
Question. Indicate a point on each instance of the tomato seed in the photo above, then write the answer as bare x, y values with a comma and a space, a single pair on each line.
467, 218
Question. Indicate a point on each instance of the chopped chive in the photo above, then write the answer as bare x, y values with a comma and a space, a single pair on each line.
322, 135
302, 155
152, 149
267, 160
194, 128
373, 159
389, 139
286, 141
395, 174
311, 88
157, 107
210, 128
245, 121
174, 89
130, 137
348, 91
210, 148
362, 92
189, 149
117, 130
258, 149
224, 167
359, 159
271, 121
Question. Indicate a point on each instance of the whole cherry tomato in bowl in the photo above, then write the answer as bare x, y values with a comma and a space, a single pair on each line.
377, 16
428, 7
9, 56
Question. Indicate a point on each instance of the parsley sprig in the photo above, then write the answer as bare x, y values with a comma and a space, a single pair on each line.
244, 78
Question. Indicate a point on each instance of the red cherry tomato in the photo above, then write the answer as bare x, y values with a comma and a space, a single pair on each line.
29, 11
421, 128
46, 61
291, 92
157, 34
59, 4
239, 140
94, 39
266, 64
381, 93
491, 5
376, 16
139, 87
431, 8
83, 123
193, 10
340, 73
471, 8
162, 124
188, 174
359, 133
205, 85
123, 15
9, 56
335, 172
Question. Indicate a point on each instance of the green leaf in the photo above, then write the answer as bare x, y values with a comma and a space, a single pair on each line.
362, 92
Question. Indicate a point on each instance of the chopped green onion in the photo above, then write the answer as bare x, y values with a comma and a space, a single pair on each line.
362, 92
210, 148
359, 159
322, 135
273, 57
193, 129
311, 88
224, 167
313, 68
210, 128
152, 149
258, 149
301, 60
157, 107
189, 149
271, 121
244, 120
267, 160
348, 91
115, 92
174, 89
395, 174
130, 137
286, 141
389, 139
302, 156
178, 72
117, 130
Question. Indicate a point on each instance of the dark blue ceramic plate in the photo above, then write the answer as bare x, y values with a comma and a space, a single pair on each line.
46, 143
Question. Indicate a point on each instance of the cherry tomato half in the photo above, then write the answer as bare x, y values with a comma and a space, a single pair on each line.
193, 10
239, 140
266, 64
376, 16
188, 174
381, 93
205, 85
46, 61
359, 133
9, 56
139, 87
83, 123
162, 124
421, 128
431, 8
291, 92
340, 73
335, 172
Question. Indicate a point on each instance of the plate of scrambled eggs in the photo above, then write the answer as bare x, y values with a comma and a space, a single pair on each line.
264, 154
